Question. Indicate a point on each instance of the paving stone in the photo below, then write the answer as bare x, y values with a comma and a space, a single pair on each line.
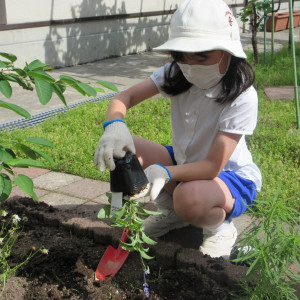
54, 180
285, 93
16, 191
31, 172
62, 202
102, 199
86, 188
242, 223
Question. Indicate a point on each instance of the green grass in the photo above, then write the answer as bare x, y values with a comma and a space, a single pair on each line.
278, 73
75, 134
274, 145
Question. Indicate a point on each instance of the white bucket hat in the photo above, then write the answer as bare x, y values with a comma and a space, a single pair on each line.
204, 25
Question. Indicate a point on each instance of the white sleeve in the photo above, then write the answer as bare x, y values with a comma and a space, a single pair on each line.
158, 77
240, 116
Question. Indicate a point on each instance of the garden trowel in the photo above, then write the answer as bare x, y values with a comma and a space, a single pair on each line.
112, 260
127, 180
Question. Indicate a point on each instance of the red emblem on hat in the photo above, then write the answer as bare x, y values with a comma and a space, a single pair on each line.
230, 20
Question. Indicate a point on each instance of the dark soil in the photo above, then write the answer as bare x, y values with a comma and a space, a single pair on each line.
67, 271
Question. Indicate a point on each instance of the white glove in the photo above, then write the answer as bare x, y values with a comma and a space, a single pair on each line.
115, 141
158, 176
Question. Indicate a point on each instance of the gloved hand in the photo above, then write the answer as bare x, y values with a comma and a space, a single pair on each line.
158, 176
115, 141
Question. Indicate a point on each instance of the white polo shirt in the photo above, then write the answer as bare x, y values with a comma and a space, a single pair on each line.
197, 118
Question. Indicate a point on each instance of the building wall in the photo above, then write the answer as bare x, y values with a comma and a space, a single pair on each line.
70, 32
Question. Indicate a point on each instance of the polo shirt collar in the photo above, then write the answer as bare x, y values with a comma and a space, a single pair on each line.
214, 91
209, 93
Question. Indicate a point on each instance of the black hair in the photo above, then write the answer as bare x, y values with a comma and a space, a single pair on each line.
238, 78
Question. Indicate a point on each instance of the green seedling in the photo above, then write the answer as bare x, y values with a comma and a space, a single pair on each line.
274, 245
131, 216
11, 229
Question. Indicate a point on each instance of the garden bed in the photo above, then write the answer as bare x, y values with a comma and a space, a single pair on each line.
75, 246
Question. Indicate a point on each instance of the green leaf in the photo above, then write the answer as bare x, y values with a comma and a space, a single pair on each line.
146, 256
108, 85
19, 162
37, 64
4, 64
19, 71
150, 212
8, 56
72, 83
253, 265
5, 187
23, 84
45, 156
40, 141
29, 152
61, 85
5, 88
147, 240
90, 91
104, 212
41, 75
25, 184
43, 90
78, 88
5, 155
17, 109
11, 77
100, 90
68, 79
57, 90
8, 168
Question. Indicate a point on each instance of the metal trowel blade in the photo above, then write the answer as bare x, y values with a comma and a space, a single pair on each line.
116, 202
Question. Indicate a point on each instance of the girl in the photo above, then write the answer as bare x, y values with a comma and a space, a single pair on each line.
207, 177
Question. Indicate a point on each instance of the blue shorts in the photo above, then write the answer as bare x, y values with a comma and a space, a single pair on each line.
242, 190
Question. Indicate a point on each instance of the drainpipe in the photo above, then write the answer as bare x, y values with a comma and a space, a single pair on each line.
265, 39
272, 45
294, 62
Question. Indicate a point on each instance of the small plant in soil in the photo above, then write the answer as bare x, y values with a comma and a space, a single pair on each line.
130, 217
271, 246
12, 226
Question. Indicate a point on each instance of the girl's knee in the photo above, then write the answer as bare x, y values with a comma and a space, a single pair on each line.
188, 203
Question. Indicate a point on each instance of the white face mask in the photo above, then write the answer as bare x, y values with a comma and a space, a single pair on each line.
204, 77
